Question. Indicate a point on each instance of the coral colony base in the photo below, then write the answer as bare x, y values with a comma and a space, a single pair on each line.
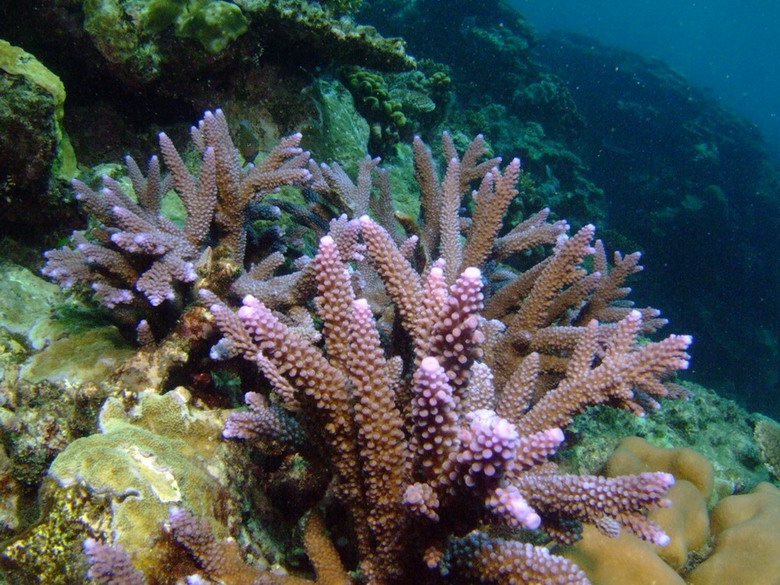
411, 364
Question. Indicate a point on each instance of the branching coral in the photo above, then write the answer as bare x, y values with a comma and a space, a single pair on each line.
139, 262
438, 397
216, 561
435, 447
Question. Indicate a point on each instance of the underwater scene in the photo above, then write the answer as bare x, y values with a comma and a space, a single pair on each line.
399, 292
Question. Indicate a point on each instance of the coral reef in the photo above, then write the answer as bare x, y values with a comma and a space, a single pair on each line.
434, 403
713, 426
414, 438
437, 370
487, 365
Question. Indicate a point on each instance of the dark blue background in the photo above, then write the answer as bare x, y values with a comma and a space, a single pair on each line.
731, 47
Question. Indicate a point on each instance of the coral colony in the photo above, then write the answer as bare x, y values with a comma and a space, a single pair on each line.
438, 380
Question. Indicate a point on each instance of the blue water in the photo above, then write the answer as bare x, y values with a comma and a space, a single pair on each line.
731, 47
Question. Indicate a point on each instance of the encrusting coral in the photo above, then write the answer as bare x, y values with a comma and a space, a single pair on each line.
441, 379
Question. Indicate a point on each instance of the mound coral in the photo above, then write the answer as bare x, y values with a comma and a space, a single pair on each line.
137, 261
746, 540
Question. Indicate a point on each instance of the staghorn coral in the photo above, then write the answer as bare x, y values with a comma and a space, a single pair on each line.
437, 418
685, 521
141, 264
428, 479
215, 560
218, 559
111, 565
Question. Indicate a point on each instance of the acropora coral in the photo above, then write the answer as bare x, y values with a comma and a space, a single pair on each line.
432, 381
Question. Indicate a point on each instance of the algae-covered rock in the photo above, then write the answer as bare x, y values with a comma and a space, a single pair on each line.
87, 356
341, 133
9, 497
343, 6
127, 32
50, 553
304, 30
767, 436
56, 340
149, 40
25, 299
114, 35
398, 106
34, 150
55, 359
119, 485
714, 426
215, 24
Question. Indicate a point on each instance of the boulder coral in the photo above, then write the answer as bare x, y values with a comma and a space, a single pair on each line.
739, 541
747, 541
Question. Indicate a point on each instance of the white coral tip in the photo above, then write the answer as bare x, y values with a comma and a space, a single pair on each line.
429, 364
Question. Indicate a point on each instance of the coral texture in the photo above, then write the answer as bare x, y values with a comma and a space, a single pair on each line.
422, 451
746, 540
137, 261
440, 376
